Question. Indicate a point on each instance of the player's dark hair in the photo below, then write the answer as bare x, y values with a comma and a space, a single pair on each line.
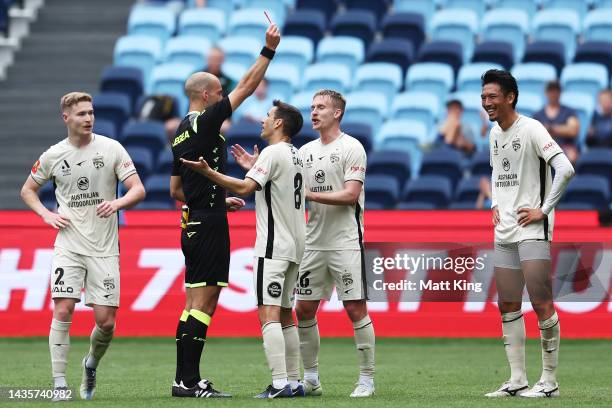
291, 116
504, 79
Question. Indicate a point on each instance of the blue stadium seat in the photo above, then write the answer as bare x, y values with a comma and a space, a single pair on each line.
105, 127
469, 80
528, 6
580, 7
240, 50
433, 77
599, 52
406, 136
420, 106
227, 6
480, 164
573, 206
379, 8
406, 26
507, 25
158, 190
329, 76
143, 160
245, 134
585, 77
529, 103
306, 23
380, 77
361, 132
598, 25
348, 51
457, 25
435, 190
446, 52
165, 161
382, 190
283, 80
548, 52
415, 206
584, 105
468, 190
148, 205
169, 79
125, 80
249, 23
150, 134
355, 23
477, 6
326, 7
532, 77
597, 162
158, 22
202, 22
443, 161
393, 50
560, 25
589, 189
138, 51
390, 163
296, 51
187, 49
307, 134
366, 107
303, 101
276, 9
495, 52
426, 8
112, 106
462, 205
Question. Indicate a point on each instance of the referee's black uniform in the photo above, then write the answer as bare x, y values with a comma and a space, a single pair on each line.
205, 240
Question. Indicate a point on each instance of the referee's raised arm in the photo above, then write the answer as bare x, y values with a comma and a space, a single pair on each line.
255, 74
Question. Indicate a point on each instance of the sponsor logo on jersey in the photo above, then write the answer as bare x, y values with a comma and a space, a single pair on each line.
83, 183
57, 289
516, 144
359, 169
495, 148
109, 284
274, 289
35, 167
81, 162
98, 161
180, 138
66, 171
549, 145
261, 170
128, 164
506, 164
320, 176
309, 162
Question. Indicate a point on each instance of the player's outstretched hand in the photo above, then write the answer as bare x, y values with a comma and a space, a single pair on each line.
56, 220
243, 158
272, 36
201, 166
106, 208
234, 203
528, 215
495, 215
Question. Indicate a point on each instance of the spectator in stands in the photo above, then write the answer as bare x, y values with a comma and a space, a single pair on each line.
483, 202
214, 62
453, 131
257, 107
600, 133
561, 121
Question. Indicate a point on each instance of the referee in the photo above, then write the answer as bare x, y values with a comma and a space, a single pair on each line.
205, 234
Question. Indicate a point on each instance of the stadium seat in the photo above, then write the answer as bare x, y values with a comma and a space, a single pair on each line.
366, 107
406, 26
327, 76
575, 206
433, 77
392, 50
390, 163
240, 50
303, 101
105, 127
360, 131
580, 7
477, 6
275, 8
202, 22
457, 25
435, 190
149, 134
446, 52
379, 8
480, 163
406, 136
420, 106
585, 77
589, 189
468, 190
296, 51
415, 205
597, 162
283, 80
443, 161
595, 51
381, 189
307, 134
507, 25
532, 77
528, 6
326, 7
149, 205
138, 51
158, 190
187, 49
355, 23
548, 52
125, 80
157, 22
306, 23
245, 134
380, 77
426, 8
494, 52
462, 205
598, 25
348, 51
248, 23
529, 103
165, 161
469, 77
169, 79
560, 25
584, 105
227, 6
143, 160
112, 106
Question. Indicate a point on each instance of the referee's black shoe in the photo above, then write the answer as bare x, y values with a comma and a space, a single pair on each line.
203, 389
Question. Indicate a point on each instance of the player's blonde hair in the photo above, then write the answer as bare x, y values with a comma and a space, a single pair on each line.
336, 97
72, 98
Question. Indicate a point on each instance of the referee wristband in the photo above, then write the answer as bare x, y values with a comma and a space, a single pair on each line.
267, 52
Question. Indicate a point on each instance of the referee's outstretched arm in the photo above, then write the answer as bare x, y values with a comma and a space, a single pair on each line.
255, 74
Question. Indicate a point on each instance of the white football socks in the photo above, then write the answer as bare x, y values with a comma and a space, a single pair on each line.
292, 354
513, 328
274, 347
59, 346
310, 342
550, 333
99, 342
365, 343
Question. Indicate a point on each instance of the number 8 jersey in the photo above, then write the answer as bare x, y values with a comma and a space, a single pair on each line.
279, 203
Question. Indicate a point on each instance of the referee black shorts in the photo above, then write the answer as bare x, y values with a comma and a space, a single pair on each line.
206, 246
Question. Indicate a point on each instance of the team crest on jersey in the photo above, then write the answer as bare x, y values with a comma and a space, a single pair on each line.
98, 161
334, 158
347, 279
320, 176
506, 164
516, 144
109, 284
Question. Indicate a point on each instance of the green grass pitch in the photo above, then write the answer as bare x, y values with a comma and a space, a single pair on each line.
137, 372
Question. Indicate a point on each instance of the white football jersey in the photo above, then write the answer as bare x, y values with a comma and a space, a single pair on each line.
326, 168
521, 177
83, 178
279, 203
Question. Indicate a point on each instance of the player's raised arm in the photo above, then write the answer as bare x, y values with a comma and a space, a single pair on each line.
240, 187
255, 74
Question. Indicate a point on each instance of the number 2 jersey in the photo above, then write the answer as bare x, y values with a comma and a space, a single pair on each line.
279, 203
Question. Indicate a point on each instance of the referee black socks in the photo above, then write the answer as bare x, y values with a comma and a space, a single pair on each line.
196, 326
180, 332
